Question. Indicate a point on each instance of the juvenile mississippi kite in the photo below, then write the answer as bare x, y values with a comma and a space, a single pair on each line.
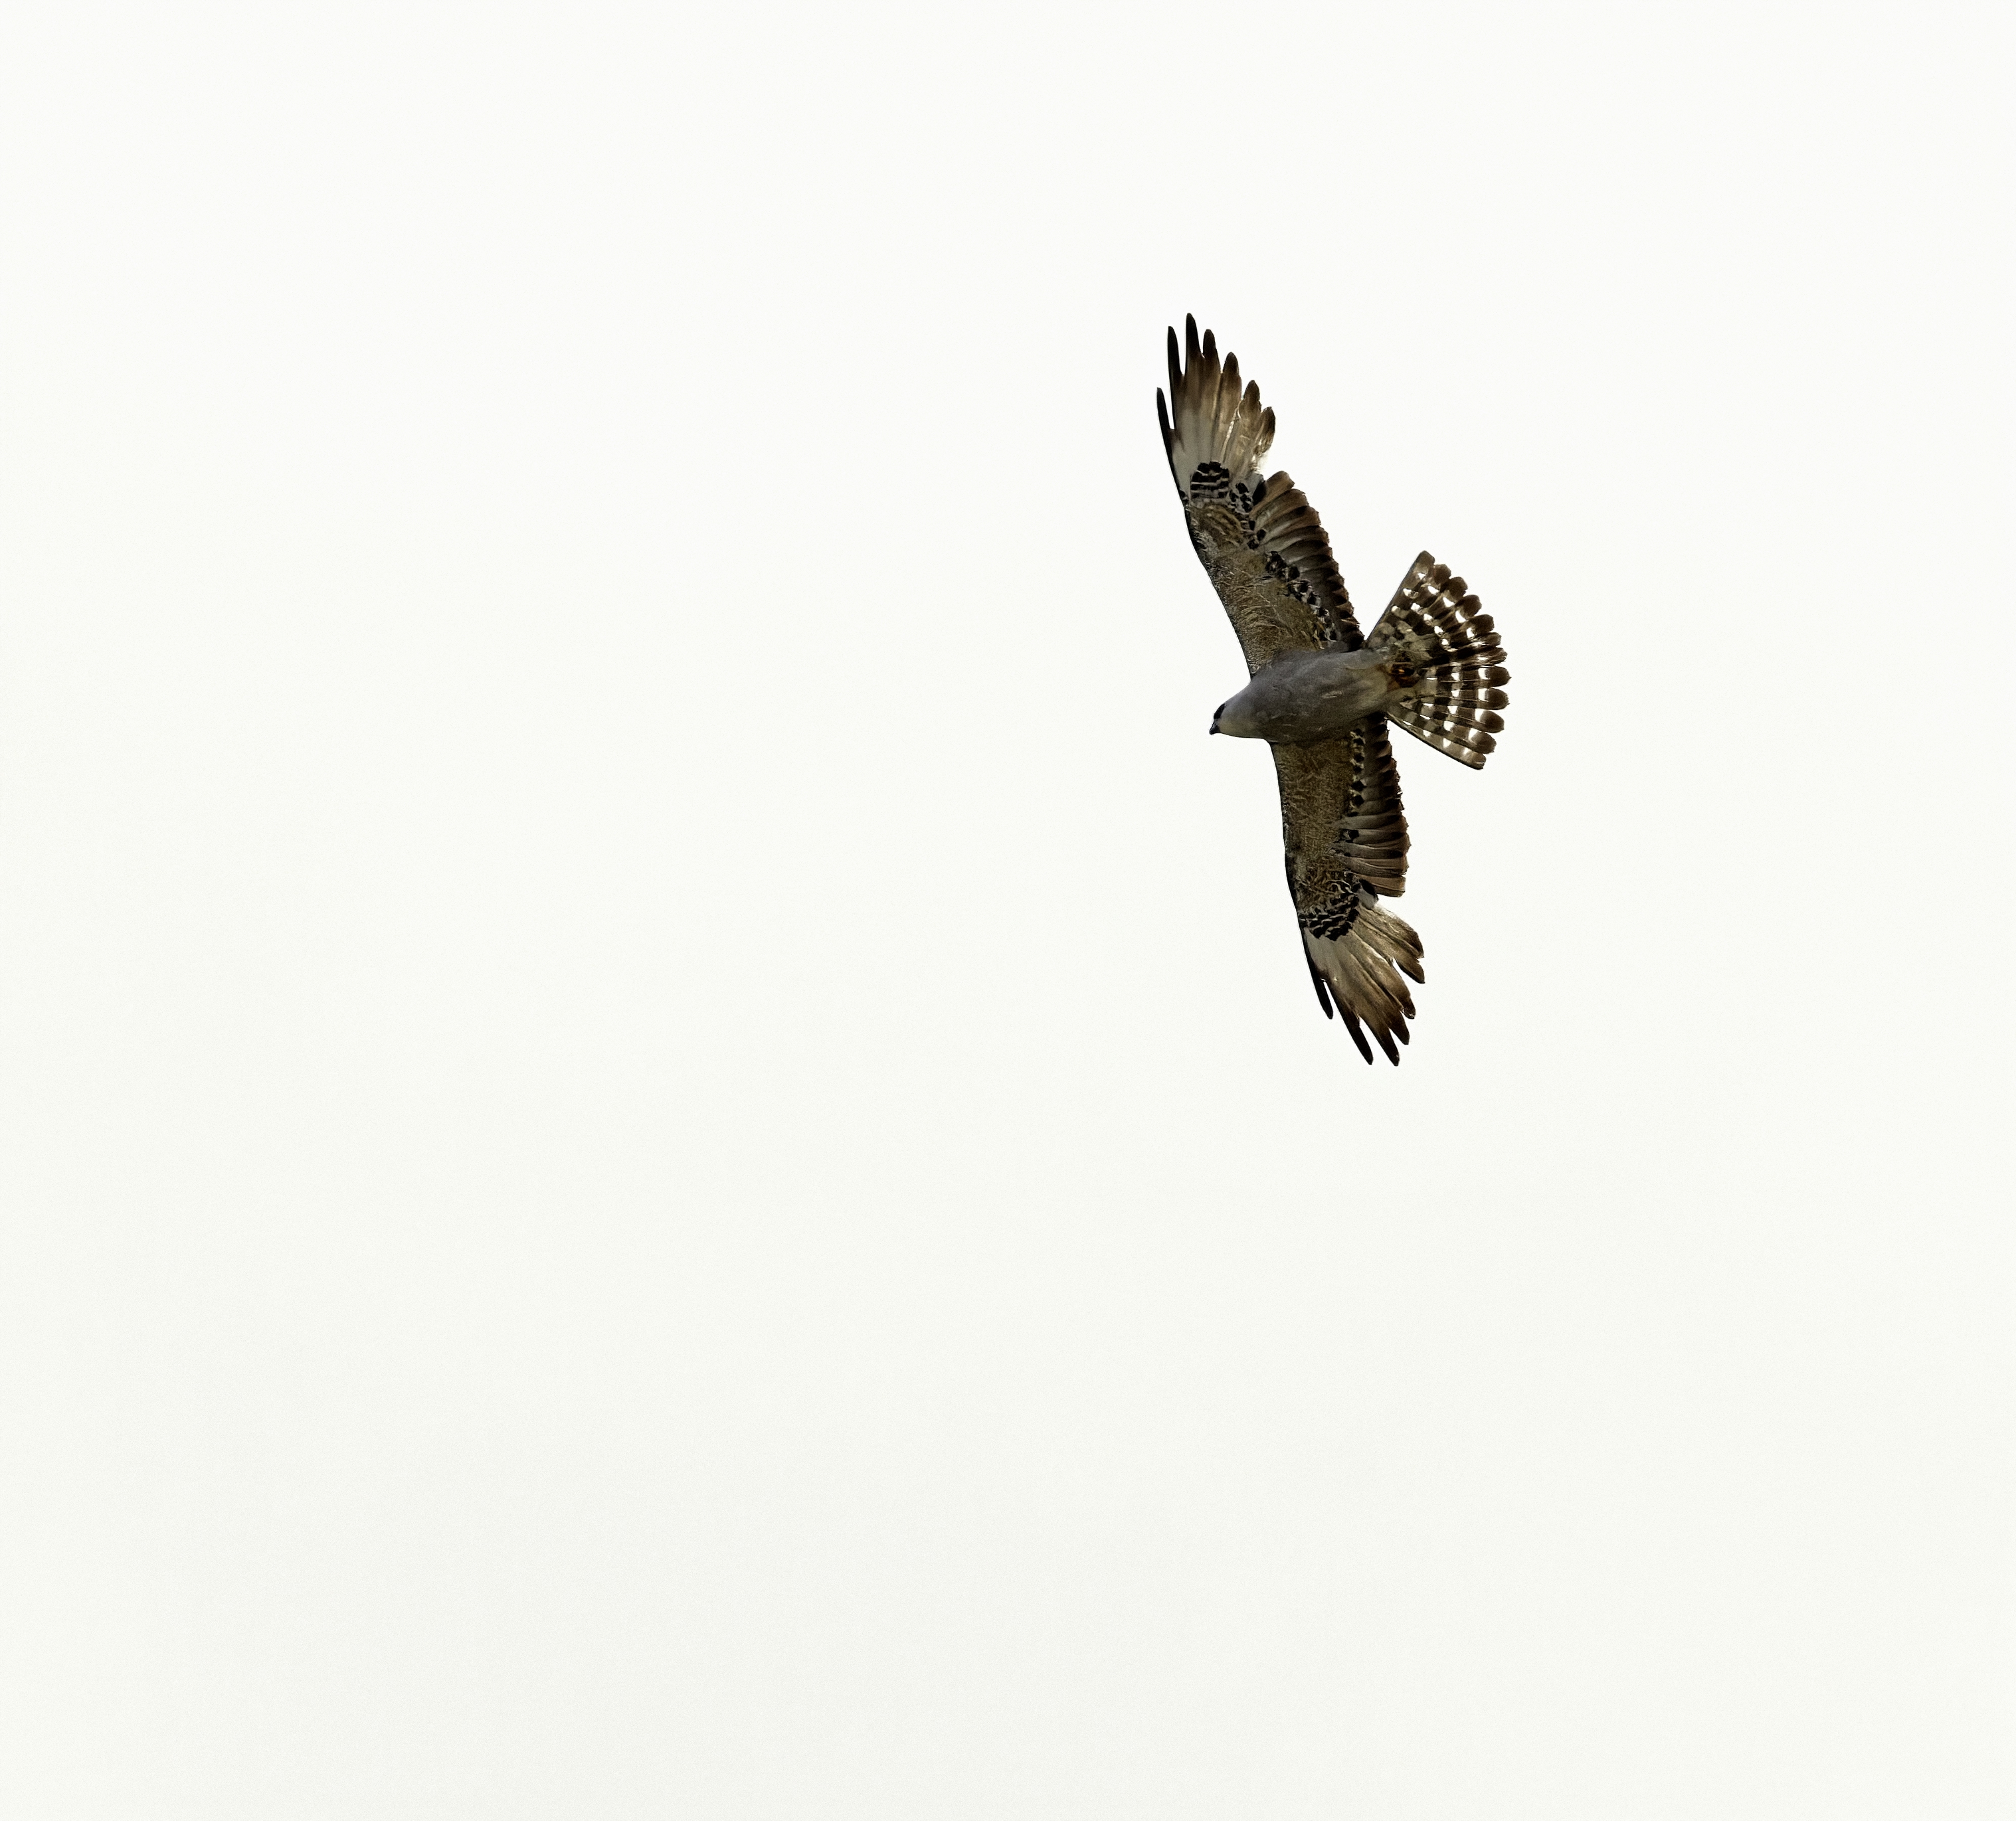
1322, 694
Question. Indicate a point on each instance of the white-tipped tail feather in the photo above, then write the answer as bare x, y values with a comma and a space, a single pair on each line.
1440, 633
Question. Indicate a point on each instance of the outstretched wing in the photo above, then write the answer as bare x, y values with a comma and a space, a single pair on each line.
1346, 840
1260, 541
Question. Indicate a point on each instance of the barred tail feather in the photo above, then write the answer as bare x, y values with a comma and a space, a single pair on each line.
1440, 631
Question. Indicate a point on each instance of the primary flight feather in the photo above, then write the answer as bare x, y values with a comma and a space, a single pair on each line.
1322, 694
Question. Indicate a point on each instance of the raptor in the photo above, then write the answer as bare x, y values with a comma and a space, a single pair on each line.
1321, 693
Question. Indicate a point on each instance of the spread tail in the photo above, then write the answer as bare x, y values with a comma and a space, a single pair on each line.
1438, 631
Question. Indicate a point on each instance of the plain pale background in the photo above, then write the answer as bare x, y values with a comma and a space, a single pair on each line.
665, 1149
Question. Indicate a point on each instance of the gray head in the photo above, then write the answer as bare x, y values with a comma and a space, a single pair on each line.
1236, 717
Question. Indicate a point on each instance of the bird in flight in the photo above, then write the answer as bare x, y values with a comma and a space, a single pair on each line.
1322, 694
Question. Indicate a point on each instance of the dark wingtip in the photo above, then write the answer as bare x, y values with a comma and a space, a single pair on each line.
1323, 992
1162, 412
1357, 1035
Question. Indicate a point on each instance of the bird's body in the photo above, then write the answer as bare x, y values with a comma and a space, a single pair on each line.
1320, 692
1306, 695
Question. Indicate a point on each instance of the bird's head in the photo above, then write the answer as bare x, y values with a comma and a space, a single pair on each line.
1236, 717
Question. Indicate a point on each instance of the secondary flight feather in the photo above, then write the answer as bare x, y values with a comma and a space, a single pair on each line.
1321, 693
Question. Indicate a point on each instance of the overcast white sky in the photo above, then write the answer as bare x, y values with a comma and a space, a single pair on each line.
665, 1150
